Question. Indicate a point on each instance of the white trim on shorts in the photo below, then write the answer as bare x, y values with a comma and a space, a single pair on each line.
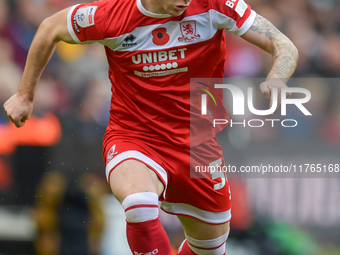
192, 211
133, 154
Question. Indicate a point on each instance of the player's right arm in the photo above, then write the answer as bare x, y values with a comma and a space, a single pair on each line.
52, 30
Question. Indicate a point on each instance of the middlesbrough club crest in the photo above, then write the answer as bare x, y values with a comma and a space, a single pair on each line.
112, 152
188, 30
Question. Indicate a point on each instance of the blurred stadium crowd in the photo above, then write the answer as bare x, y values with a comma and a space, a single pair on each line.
58, 153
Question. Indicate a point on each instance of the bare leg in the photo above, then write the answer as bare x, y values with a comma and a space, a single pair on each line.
138, 188
203, 238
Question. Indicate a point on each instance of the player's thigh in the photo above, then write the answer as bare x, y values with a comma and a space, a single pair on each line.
201, 230
132, 176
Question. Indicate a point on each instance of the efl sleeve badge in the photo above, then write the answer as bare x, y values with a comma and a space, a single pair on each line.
85, 16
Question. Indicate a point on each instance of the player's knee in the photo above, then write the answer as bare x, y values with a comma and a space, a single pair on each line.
208, 247
140, 207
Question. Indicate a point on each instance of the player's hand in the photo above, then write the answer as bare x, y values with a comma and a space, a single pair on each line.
18, 109
267, 88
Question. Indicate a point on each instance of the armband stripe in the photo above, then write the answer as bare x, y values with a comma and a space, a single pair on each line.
70, 21
241, 7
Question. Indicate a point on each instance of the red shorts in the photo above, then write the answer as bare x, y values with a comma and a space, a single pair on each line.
189, 189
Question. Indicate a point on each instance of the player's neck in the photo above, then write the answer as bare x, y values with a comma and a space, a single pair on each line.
153, 6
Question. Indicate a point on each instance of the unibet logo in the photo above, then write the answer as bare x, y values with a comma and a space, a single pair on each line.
158, 56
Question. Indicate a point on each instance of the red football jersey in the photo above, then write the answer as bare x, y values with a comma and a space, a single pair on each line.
152, 58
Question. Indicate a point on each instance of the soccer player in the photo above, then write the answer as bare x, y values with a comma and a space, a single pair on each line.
153, 48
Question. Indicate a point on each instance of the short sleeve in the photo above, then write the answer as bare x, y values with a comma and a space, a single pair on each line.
86, 22
233, 15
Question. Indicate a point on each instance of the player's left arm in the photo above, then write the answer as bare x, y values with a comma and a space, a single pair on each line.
265, 35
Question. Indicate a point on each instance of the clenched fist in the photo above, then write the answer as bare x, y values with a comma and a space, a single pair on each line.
267, 87
18, 109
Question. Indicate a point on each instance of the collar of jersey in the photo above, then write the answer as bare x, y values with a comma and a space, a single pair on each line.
150, 14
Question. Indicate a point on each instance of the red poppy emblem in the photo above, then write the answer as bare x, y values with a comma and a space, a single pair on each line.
160, 36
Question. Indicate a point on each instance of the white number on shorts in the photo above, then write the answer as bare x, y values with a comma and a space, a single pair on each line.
216, 174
